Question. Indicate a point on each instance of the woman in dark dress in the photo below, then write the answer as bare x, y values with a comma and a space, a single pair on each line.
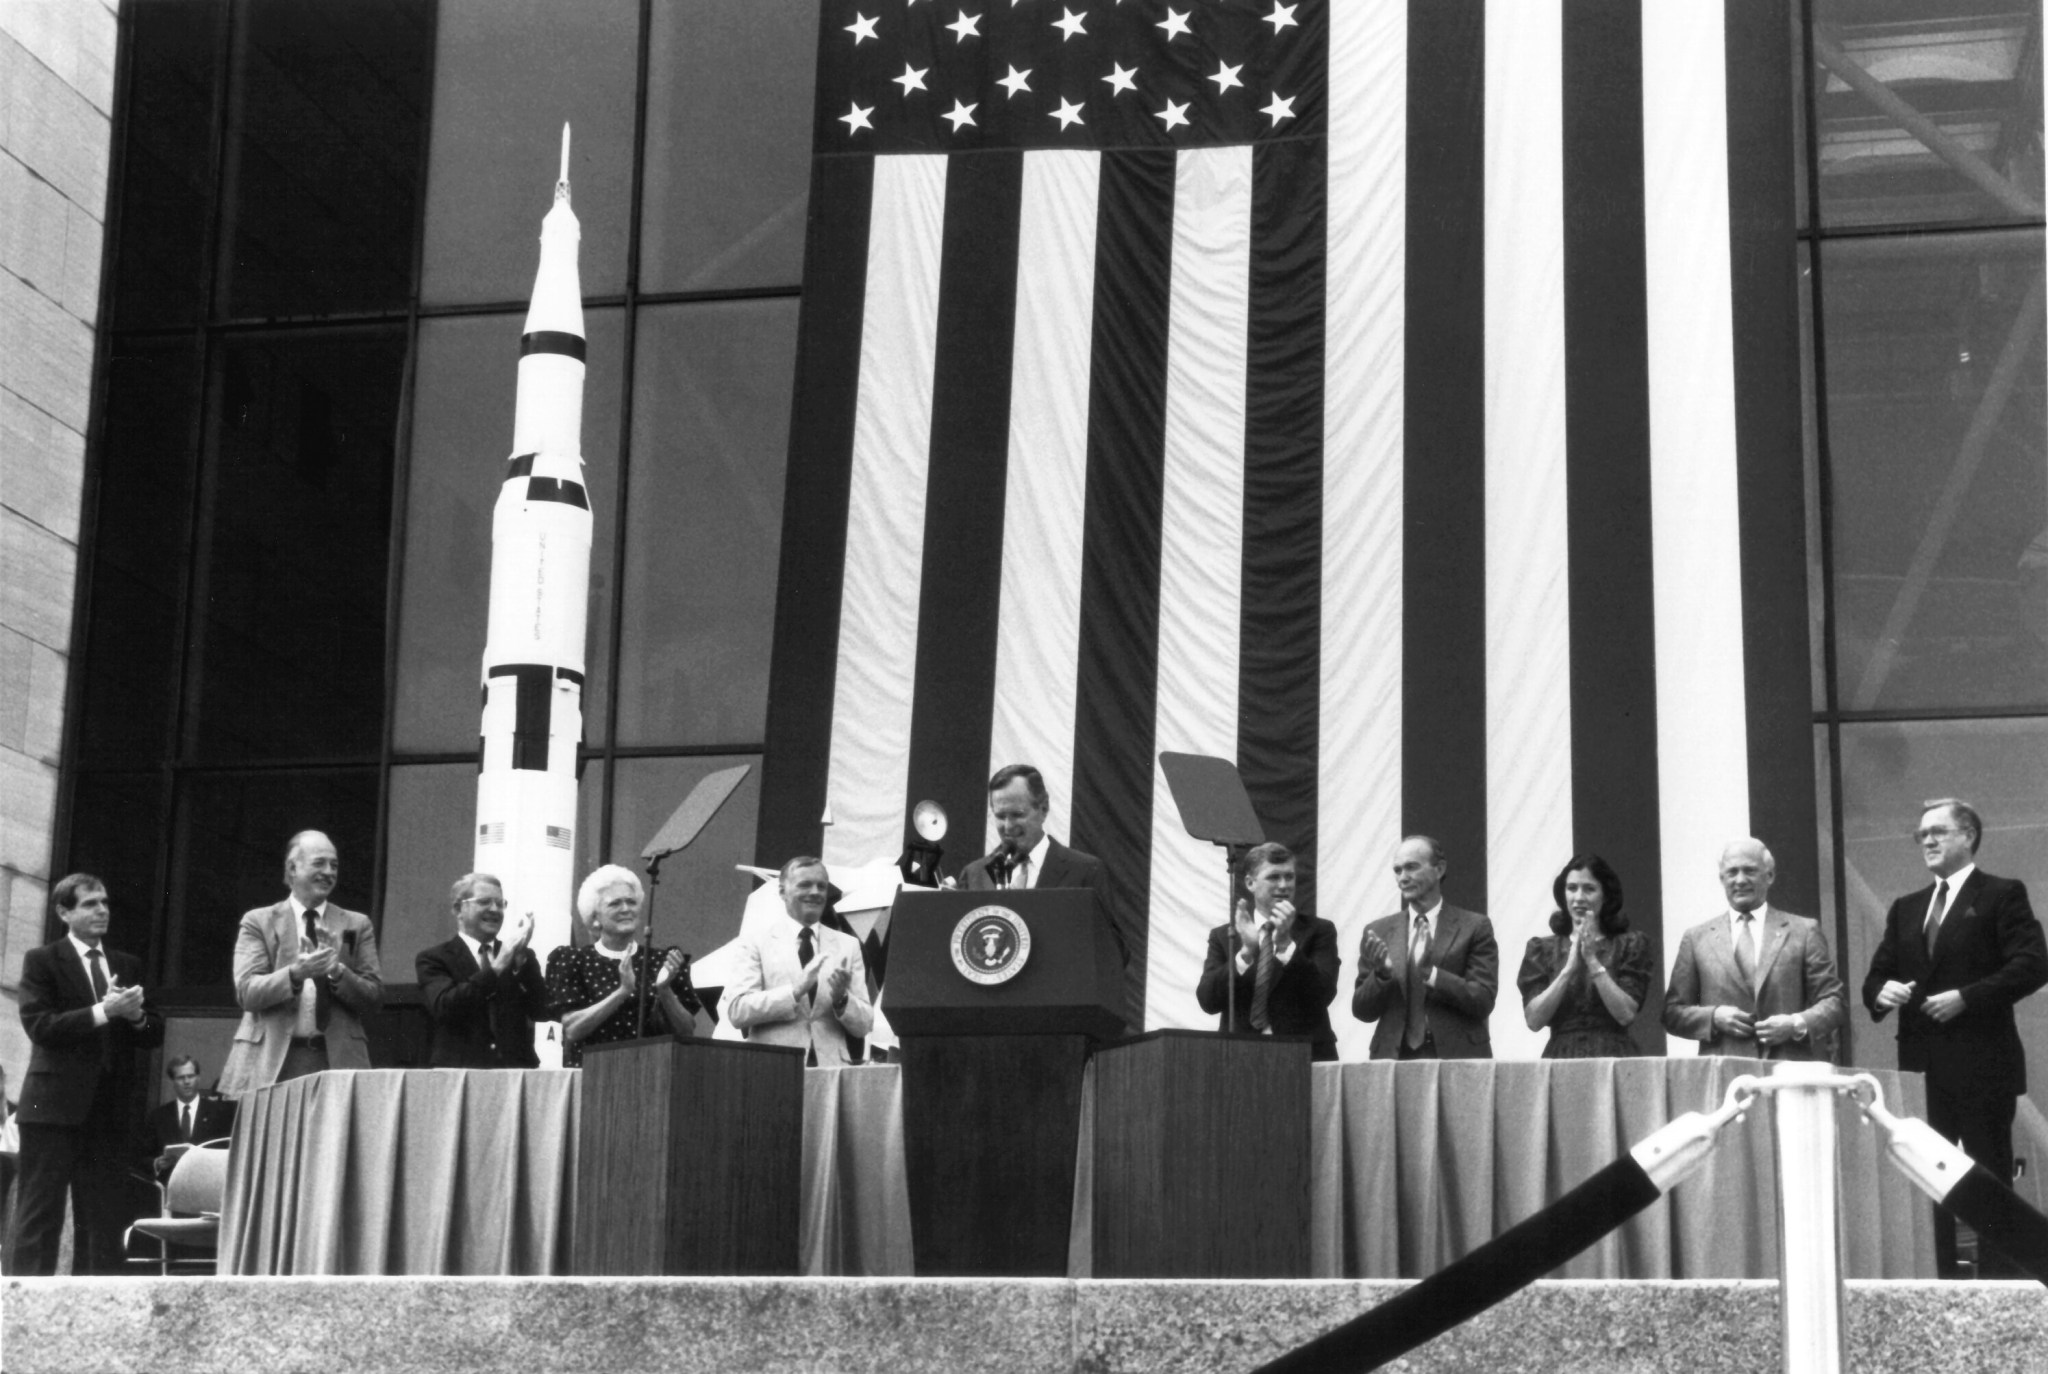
593, 989
1587, 979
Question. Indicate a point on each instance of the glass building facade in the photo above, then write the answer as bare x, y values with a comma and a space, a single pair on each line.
322, 231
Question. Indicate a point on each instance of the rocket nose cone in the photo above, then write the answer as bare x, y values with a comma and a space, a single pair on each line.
560, 221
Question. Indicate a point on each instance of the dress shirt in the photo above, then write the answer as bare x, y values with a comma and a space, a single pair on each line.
1408, 915
308, 1022
1955, 883
476, 948
1755, 935
99, 1009
1032, 865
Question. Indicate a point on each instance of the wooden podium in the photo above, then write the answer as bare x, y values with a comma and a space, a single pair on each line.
992, 1070
1202, 1157
689, 1158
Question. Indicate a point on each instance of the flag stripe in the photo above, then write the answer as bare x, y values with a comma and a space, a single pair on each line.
1280, 661
964, 507
1607, 422
1702, 733
1047, 478
1359, 782
1528, 632
892, 433
1443, 768
798, 737
1119, 642
1769, 460
1201, 550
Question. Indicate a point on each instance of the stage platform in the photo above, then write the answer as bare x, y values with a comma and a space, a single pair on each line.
955, 1326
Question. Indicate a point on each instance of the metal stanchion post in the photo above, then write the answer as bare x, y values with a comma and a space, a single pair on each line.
1809, 1246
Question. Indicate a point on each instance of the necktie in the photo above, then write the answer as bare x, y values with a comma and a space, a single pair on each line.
323, 1004
806, 945
489, 950
99, 979
1935, 914
1418, 982
1745, 956
1262, 981
185, 1121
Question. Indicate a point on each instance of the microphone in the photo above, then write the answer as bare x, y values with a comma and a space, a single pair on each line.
1002, 863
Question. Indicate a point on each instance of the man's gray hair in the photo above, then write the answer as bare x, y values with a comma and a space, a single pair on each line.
1966, 816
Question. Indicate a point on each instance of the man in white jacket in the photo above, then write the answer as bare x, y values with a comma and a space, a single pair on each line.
800, 983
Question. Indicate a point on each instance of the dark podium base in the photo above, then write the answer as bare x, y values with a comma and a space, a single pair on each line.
1202, 1157
990, 1126
689, 1158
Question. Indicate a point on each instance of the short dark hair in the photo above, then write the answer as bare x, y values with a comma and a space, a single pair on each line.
1261, 855
1613, 920
71, 887
1437, 855
171, 1069
1965, 814
1033, 779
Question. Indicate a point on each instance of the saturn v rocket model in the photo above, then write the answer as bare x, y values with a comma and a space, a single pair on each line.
540, 585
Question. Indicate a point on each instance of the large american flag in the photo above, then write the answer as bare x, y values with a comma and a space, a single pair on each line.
1379, 393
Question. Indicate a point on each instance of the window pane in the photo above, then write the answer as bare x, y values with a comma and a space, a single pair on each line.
117, 834
710, 434
130, 670
507, 75
729, 90
462, 435
1935, 431
323, 155
697, 906
1973, 74
173, 81
1887, 771
432, 842
228, 854
289, 654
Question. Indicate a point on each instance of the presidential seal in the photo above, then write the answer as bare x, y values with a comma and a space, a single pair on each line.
991, 944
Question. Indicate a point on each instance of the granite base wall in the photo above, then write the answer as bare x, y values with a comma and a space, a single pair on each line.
727, 1326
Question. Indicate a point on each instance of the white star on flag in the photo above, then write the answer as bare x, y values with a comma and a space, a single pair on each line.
1017, 81
1072, 24
856, 118
1068, 113
912, 78
1225, 77
1122, 78
964, 26
862, 27
1280, 108
1174, 115
1282, 17
960, 114
1175, 24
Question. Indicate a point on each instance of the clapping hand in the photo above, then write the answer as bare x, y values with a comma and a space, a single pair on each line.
316, 962
1372, 952
122, 1003
836, 983
1247, 928
513, 939
1283, 924
670, 967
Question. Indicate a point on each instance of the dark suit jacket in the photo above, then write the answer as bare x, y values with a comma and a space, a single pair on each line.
1064, 867
1467, 962
75, 1062
1795, 975
213, 1118
1299, 1002
482, 1019
1990, 949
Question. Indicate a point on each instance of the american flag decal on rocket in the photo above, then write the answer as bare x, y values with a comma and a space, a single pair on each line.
540, 585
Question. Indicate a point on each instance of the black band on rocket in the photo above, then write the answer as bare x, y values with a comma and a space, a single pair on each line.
552, 341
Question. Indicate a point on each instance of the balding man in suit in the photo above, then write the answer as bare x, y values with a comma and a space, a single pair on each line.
1429, 973
1754, 981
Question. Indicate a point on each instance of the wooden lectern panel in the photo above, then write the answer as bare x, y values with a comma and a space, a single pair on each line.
1202, 1157
689, 1158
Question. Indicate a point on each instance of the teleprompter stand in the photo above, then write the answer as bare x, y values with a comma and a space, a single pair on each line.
685, 825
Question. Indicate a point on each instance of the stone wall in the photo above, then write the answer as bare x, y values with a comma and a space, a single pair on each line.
56, 99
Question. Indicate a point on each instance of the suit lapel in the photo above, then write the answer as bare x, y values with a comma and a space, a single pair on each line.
81, 978
1774, 940
1054, 870
1447, 921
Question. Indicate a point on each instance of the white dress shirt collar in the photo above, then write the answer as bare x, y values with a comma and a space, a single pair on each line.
617, 955
84, 949
1956, 879
1430, 916
1036, 858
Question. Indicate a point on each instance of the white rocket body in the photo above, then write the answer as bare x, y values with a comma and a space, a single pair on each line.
533, 668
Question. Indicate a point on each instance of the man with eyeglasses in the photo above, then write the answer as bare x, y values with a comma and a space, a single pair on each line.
484, 988
1954, 958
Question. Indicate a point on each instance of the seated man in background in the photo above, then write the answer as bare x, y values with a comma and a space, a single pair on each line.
189, 1118
800, 983
1284, 961
484, 988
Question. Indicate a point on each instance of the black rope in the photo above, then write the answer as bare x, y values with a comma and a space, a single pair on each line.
1999, 1215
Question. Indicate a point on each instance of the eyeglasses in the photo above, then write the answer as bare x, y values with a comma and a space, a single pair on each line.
1934, 832
487, 903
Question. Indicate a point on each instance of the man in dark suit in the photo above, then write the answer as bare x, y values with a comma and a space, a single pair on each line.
189, 1118
1755, 981
483, 988
1429, 972
1026, 856
1954, 958
1283, 961
84, 1010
